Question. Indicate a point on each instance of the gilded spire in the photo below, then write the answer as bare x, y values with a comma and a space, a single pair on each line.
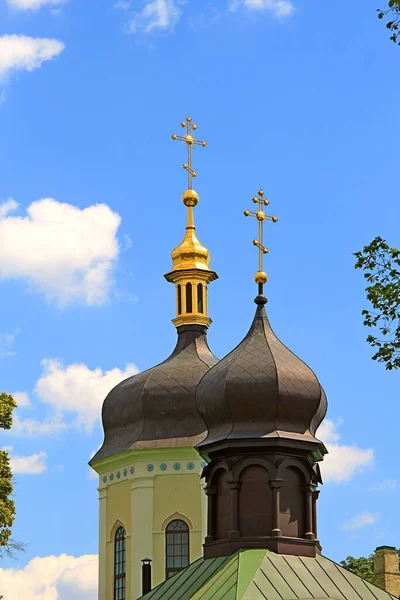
261, 276
191, 271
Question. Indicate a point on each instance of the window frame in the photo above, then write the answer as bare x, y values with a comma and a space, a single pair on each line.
120, 548
184, 531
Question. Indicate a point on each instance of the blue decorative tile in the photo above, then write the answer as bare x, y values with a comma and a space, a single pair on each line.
150, 467
190, 466
125, 472
177, 466
163, 467
104, 478
132, 470
112, 476
118, 474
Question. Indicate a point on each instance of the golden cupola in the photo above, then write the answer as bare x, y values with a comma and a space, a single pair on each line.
191, 271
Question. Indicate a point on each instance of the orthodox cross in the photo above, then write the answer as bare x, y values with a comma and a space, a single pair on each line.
261, 276
190, 141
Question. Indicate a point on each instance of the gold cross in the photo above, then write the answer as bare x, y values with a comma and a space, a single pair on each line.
190, 141
261, 276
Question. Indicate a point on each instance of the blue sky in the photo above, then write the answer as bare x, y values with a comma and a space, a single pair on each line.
299, 97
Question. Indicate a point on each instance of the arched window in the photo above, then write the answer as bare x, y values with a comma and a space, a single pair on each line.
177, 547
189, 301
200, 298
179, 299
119, 564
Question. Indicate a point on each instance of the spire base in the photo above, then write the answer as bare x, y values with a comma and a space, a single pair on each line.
192, 320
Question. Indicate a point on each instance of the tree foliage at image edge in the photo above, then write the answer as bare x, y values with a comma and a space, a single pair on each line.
381, 266
393, 14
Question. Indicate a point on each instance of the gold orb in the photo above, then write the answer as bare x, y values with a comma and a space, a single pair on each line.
204, 144
255, 199
261, 192
183, 124
261, 277
190, 198
188, 119
189, 140
274, 219
246, 213
260, 215
185, 165
194, 126
194, 173
266, 202
174, 136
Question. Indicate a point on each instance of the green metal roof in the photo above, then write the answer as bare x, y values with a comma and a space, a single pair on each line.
264, 575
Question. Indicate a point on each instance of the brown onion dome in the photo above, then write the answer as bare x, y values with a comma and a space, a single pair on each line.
157, 408
261, 390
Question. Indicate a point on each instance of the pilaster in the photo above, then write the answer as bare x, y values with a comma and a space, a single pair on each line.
142, 517
102, 543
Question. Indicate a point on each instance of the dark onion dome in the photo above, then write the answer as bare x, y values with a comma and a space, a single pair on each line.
261, 390
157, 408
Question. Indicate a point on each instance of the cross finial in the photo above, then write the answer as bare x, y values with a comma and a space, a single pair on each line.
260, 277
190, 141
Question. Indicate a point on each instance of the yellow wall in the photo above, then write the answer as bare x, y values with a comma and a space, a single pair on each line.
144, 498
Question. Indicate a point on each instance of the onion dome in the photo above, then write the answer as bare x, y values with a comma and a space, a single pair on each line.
157, 408
261, 389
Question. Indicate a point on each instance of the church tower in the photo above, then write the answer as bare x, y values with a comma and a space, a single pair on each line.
262, 406
152, 500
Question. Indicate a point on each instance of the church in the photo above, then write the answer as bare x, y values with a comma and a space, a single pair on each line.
209, 469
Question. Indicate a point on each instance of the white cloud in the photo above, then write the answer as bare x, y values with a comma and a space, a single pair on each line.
6, 343
66, 252
35, 464
23, 53
156, 15
342, 462
388, 485
52, 578
122, 5
278, 8
77, 389
51, 425
7, 207
22, 399
33, 4
360, 521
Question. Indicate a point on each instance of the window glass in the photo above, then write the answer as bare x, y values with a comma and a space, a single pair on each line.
189, 301
200, 298
179, 299
119, 564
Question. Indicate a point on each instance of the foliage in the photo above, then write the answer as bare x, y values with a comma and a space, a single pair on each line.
363, 567
7, 506
393, 14
382, 271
